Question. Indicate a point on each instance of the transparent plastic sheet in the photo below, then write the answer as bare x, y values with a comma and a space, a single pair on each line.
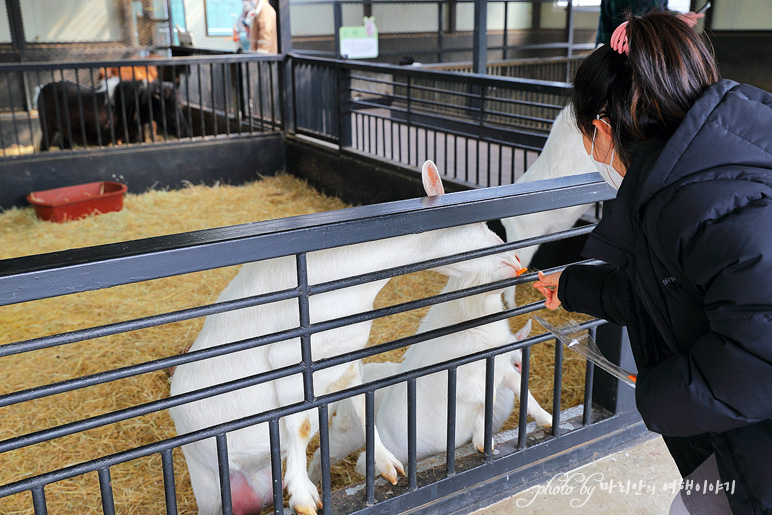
580, 341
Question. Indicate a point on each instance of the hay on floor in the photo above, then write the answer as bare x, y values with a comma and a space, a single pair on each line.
137, 485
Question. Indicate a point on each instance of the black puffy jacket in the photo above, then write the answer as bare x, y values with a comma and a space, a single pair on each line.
689, 243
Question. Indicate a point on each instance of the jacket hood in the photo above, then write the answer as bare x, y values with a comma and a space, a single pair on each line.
721, 129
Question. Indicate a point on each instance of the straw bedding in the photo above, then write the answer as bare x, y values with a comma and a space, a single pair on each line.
137, 485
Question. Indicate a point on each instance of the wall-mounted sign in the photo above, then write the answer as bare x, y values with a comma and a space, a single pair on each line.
359, 42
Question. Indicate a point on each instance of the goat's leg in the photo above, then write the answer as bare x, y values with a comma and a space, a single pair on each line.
298, 428
512, 381
346, 436
478, 431
385, 462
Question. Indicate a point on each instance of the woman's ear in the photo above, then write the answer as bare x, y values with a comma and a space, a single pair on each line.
603, 127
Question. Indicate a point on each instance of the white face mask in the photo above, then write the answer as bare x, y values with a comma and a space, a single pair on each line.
606, 170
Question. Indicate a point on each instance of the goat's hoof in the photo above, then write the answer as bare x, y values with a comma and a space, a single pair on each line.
305, 500
390, 475
305, 510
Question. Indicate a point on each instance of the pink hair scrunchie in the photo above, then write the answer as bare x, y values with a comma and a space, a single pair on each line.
619, 40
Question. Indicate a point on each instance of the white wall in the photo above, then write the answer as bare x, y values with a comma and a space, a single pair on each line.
71, 20
742, 15
5, 28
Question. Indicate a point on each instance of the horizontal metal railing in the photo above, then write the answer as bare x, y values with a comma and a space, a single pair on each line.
96, 104
37, 277
481, 130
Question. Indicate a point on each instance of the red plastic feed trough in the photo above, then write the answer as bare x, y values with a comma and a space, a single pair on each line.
73, 202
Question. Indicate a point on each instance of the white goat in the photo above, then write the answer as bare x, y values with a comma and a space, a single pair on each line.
249, 458
563, 155
431, 391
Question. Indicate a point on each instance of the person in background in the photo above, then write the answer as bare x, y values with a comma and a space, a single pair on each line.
262, 31
688, 247
614, 12
255, 29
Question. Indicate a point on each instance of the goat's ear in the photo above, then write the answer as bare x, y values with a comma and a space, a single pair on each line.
523, 333
431, 179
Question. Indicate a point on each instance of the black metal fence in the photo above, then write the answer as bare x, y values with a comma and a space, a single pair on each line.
557, 69
96, 104
606, 418
432, 31
480, 130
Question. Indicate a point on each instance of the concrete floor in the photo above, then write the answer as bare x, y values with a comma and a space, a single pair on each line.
640, 480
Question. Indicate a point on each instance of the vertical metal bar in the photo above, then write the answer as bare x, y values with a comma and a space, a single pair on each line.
506, 30
514, 154
176, 99
569, 30
370, 446
501, 163
96, 110
383, 136
106, 490
260, 94
447, 165
480, 41
455, 155
150, 105
138, 106
201, 102
13, 114
273, 98
324, 452
110, 107
450, 449
239, 94
407, 117
466, 159
226, 69
167, 461
214, 105
29, 107
66, 118
411, 434
273, 434
556, 388
525, 368
39, 501
305, 322
490, 390
337, 15
589, 374
41, 115
249, 99
440, 30
225, 475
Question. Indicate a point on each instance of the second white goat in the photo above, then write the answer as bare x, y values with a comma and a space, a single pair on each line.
431, 391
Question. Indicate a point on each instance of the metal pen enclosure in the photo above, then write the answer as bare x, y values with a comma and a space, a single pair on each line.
36, 277
483, 131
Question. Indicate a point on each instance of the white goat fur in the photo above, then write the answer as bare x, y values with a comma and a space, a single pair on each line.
249, 447
563, 155
431, 391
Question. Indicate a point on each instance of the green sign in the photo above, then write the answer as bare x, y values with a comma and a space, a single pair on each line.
359, 42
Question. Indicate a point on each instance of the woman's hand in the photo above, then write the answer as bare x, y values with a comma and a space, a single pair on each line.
548, 286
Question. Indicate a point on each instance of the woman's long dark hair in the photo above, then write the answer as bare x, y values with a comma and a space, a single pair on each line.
651, 89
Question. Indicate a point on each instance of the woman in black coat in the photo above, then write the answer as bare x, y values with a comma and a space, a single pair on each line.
688, 242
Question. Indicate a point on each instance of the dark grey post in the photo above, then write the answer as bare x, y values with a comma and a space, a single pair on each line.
570, 29
337, 14
608, 392
285, 67
345, 114
480, 43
